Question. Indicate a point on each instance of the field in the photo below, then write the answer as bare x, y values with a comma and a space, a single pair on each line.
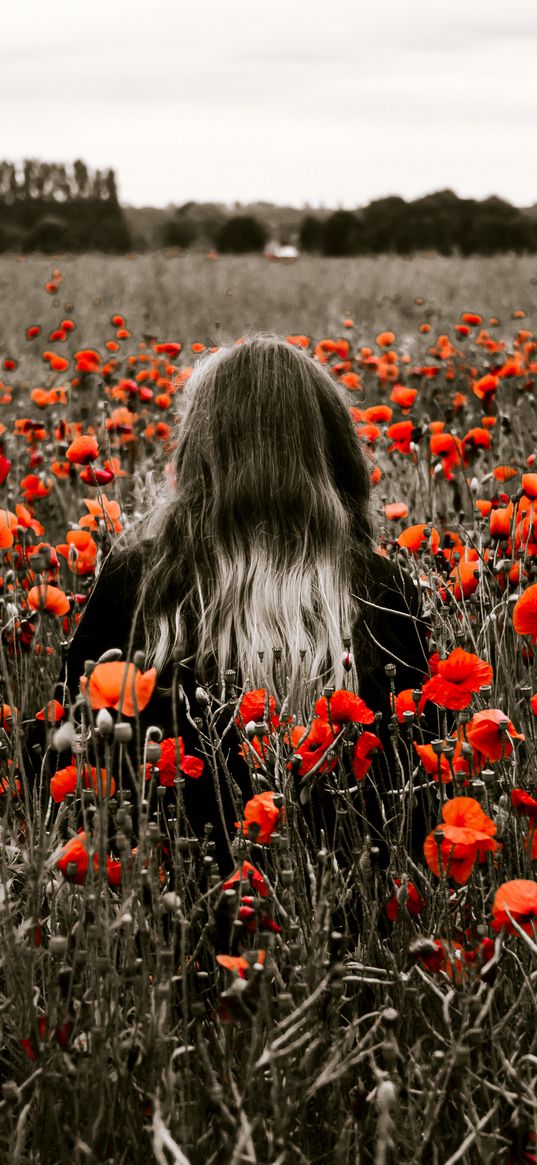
130, 1031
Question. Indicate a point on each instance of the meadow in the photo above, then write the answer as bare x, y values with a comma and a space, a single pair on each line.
200, 1021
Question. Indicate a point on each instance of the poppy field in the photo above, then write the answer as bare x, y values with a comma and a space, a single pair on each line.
303, 1009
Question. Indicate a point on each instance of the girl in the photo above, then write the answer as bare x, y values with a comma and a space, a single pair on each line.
256, 556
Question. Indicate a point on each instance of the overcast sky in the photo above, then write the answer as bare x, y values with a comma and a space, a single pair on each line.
330, 102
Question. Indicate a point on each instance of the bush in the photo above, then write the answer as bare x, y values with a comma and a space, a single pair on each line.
241, 234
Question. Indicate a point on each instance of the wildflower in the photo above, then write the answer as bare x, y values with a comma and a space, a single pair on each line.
65, 781
52, 713
487, 737
409, 898
458, 676
401, 435
48, 598
524, 804
311, 745
525, 613
396, 510
239, 963
345, 707
121, 686
252, 707
82, 450
404, 702
261, 811
403, 397
80, 550
519, 898
466, 833
385, 339
366, 747
464, 579
242, 874
416, 538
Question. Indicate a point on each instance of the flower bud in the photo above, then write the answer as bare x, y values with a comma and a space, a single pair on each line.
104, 722
123, 733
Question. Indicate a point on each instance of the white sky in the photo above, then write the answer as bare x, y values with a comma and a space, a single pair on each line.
329, 102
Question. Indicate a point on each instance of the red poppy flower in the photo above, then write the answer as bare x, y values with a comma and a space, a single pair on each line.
48, 598
259, 886
385, 339
65, 781
519, 897
401, 435
396, 510
261, 811
252, 707
458, 676
525, 613
52, 713
109, 680
524, 804
404, 702
345, 707
467, 833
403, 397
485, 735
311, 745
500, 521
464, 579
80, 550
172, 751
415, 539
365, 749
408, 897
239, 963
376, 414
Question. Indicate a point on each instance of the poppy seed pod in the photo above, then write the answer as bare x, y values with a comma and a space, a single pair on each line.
104, 722
153, 752
201, 697
111, 655
123, 733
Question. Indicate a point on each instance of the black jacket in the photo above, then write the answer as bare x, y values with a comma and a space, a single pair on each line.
392, 631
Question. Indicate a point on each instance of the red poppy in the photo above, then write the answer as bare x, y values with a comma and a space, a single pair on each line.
80, 550
119, 685
241, 874
240, 963
529, 485
52, 713
345, 707
525, 613
378, 413
524, 804
464, 579
401, 435
407, 897
261, 811
485, 735
365, 749
396, 510
385, 339
420, 537
458, 676
172, 751
65, 781
500, 521
252, 707
519, 898
404, 702
472, 318
467, 833
48, 598
312, 744
403, 397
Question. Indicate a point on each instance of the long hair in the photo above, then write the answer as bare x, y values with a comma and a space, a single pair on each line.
263, 525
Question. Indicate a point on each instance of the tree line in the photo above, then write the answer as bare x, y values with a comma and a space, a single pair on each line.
52, 207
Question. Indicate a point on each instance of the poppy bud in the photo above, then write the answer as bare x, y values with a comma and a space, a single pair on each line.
111, 655
123, 733
346, 660
202, 697
138, 659
104, 722
153, 752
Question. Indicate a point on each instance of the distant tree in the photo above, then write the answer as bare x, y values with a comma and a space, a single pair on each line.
311, 233
81, 179
241, 234
178, 232
50, 234
343, 234
110, 186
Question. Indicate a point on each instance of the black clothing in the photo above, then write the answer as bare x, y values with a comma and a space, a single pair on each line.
391, 624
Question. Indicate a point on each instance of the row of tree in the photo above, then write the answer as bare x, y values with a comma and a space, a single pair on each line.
49, 207
52, 208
